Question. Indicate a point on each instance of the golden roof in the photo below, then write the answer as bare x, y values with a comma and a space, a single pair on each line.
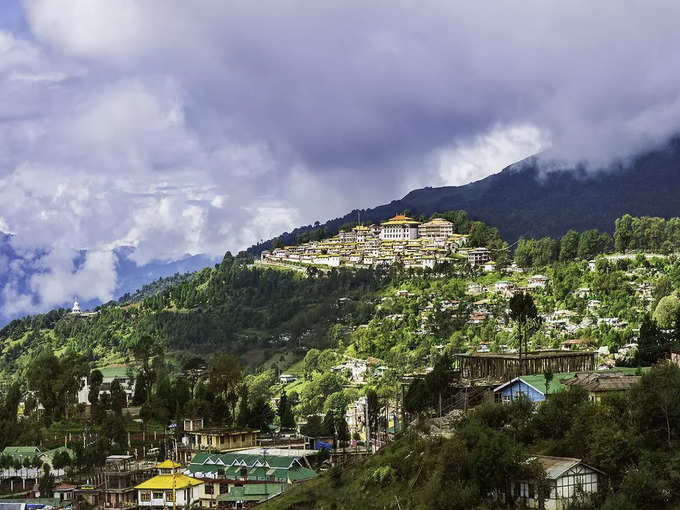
400, 219
165, 482
167, 464
437, 221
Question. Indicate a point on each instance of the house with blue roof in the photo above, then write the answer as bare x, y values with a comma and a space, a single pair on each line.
517, 388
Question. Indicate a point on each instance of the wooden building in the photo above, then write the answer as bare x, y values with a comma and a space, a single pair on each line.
502, 367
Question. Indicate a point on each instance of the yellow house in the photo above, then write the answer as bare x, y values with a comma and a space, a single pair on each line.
168, 488
222, 439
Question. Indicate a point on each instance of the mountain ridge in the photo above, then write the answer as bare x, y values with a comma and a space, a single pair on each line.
525, 200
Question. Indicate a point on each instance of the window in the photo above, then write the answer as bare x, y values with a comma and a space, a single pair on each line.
243, 438
209, 489
145, 497
168, 496
523, 490
506, 399
157, 495
224, 488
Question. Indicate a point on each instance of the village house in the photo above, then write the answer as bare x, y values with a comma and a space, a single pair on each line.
612, 322
354, 368
218, 439
477, 318
593, 306
598, 384
583, 292
489, 267
121, 474
567, 479
537, 282
121, 373
504, 288
517, 388
168, 488
475, 289
250, 495
287, 378
478, 256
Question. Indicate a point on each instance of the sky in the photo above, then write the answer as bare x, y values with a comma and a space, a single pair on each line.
180, 128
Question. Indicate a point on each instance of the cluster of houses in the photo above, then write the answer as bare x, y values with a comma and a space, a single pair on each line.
399, 240
221, 468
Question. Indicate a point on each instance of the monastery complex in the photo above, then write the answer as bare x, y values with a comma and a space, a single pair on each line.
399, 239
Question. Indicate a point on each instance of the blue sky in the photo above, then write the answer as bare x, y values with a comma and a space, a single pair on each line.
178, 128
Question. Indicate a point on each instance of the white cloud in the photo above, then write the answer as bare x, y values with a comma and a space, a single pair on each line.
489, 153
184, 127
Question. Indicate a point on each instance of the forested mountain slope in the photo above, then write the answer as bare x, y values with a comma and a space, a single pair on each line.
522, 201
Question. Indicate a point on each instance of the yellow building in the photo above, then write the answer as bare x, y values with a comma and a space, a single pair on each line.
168, 488
221, 439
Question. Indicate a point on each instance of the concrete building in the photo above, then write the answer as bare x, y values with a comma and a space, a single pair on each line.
121, 373
121, 475
399, 228
478, 256
438, 228
168, 488
219, 439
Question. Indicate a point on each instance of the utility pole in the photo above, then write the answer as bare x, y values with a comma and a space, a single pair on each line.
264, 459
174, 492
368, 427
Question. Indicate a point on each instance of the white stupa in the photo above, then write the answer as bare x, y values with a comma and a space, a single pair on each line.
76, 306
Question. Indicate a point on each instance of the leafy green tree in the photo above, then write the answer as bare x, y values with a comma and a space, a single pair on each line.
118, 397
56, 381
243, 410
114, 432
666, 311
623, 233
261, 414
656, 403
311, 362
46, 484
525, 252
95, 382
548, 376
61, 460
143, 351
592, 243
313, 427
522, 310
225, 378
662, 287
569, 246
285, 413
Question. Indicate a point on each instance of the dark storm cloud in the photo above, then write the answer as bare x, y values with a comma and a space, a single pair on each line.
184, 127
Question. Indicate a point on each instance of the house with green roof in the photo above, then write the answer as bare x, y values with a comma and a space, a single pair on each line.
16, 468
247, 496
21, 452
221, 472
533, 386
124, 374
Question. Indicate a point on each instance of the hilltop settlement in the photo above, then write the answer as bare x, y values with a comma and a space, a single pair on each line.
415, 363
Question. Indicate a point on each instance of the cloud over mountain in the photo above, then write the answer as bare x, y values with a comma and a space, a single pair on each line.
195, 127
